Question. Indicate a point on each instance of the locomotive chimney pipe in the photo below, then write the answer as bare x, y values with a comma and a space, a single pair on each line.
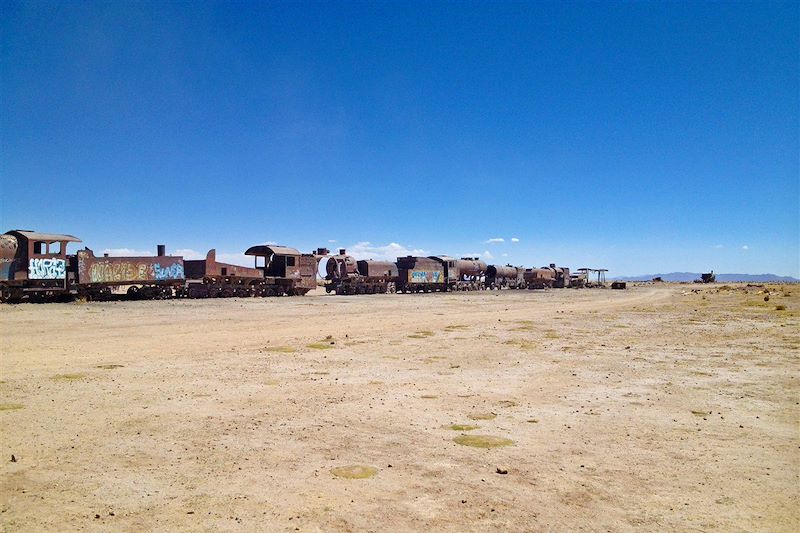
105, 255
342, 251
162, 250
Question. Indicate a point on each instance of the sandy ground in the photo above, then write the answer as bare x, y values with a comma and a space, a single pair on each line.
672, 407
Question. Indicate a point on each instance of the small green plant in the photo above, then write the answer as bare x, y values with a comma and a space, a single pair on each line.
482, 441
280, 349
354, 471
69, 377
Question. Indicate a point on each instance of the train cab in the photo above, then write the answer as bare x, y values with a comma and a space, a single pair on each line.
34, 263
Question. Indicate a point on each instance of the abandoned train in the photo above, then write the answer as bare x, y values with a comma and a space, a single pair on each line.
36, 266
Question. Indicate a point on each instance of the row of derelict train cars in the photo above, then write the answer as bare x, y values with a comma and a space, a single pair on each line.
36, 267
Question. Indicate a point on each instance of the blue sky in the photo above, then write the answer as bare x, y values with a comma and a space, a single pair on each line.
642, 137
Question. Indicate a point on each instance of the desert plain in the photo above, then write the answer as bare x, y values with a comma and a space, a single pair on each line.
660, 407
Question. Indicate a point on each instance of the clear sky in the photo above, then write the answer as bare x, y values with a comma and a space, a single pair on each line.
642, 137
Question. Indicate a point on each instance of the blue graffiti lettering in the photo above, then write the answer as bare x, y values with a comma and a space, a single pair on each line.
174, 271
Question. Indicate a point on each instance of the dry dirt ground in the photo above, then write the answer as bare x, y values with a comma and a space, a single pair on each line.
671, 407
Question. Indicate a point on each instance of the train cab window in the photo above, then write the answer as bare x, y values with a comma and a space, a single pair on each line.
56, 248
261, 261
290, 261
39, 247
451, 263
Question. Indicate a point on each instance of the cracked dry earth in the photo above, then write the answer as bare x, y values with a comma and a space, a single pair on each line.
669, 407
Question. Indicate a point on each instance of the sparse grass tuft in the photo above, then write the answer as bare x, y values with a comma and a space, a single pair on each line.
462, 427
69, 377
354, 471
320, 346
482, 416
10, 406
482, 441
281, 349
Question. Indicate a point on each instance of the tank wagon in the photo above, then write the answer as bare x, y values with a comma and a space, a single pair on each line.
502, 277
345, 275
545, 277
465, 274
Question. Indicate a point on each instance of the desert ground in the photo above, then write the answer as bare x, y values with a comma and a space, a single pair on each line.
661, 407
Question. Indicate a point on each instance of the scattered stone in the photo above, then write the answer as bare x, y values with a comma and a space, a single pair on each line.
502, 471
13, 458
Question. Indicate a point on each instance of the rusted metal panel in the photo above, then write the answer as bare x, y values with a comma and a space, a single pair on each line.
128, 270
425, 276
267, 250
209, 267
414, 271
470, 267
46, 237
376, 269
308, 272
619, 285
538, 278
341, 266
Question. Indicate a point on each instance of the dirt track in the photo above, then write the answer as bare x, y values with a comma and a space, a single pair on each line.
651, 408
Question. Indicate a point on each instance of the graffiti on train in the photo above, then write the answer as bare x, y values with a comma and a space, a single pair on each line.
110, 271
47, 268
173, 271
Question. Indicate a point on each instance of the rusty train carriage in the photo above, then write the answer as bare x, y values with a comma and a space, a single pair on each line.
35, 265
345, 275
504, 277
420, 274
147, 277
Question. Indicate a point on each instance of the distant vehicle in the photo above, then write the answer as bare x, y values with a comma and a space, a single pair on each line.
707, 278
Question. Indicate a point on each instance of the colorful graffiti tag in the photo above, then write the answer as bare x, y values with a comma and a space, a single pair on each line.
47, 268
173, 271
107, 271
425, 276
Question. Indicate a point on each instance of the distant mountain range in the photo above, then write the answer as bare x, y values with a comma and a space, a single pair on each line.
721, 278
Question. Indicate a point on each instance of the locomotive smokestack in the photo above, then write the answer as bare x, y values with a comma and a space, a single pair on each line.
342, 251
162, 250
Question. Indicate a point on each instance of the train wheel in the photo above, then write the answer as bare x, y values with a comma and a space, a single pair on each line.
5, 294
133, 292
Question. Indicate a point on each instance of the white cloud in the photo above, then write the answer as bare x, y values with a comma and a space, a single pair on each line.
387, 252
188, 253
235, 258
332, 241
514, 239
495, 240
128, 252
719, 246
487, 255
505, 255
745, 247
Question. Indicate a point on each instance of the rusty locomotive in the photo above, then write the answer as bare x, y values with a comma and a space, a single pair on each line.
36, 266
